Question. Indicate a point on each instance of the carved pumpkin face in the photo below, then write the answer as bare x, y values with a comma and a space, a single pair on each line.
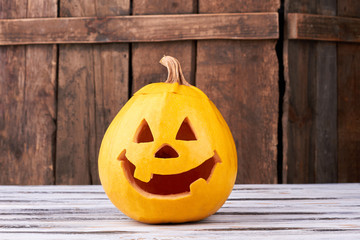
168, 156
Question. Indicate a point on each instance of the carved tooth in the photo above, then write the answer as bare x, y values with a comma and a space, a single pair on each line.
198, 184
216, 157
142, 174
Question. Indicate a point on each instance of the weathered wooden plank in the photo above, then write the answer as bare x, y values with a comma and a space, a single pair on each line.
326, 113
153, 7
325, 166
348, 101
146, 56
212, 224
27, 108
253, 234
111, 69
240, 6
281, 191
139, 28
310, 120
298, 156
238, 203
75, 139
241, 78
252, 211
323, 28
93, 85
242, 83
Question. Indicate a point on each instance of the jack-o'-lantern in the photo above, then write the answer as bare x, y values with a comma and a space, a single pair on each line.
168, 155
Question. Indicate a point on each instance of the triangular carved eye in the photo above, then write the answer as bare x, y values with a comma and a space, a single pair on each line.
143, 133
186, 132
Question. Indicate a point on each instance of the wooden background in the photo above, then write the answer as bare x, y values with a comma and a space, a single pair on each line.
291, 98
321, 119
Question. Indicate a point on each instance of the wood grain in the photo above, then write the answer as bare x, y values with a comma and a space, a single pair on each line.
326, 113
326, 211
139, 28
310, 120
153, 7
75, 143
27, 107
93, 85
146, 56
243, 85
241, 78
240, 6
96, 8
348, 101
324, 28
111, 69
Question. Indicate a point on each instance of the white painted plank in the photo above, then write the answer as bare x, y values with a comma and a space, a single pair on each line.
327, 211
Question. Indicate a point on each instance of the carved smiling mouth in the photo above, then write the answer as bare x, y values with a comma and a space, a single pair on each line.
172, 183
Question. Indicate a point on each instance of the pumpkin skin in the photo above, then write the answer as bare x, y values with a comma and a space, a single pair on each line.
164, 178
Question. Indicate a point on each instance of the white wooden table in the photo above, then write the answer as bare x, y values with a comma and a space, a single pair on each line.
328, 211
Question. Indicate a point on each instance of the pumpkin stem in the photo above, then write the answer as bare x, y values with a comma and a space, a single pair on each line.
175, 74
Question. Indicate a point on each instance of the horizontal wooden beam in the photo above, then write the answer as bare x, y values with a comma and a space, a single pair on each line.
154, 28
323, 28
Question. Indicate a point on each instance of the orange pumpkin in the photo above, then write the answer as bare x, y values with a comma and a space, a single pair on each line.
168, 155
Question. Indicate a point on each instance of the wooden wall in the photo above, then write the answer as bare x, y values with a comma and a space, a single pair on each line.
59, 91
322, 104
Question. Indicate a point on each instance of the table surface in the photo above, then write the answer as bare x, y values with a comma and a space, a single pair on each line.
323, 211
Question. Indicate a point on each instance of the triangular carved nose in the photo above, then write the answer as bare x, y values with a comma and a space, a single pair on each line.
166, 151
